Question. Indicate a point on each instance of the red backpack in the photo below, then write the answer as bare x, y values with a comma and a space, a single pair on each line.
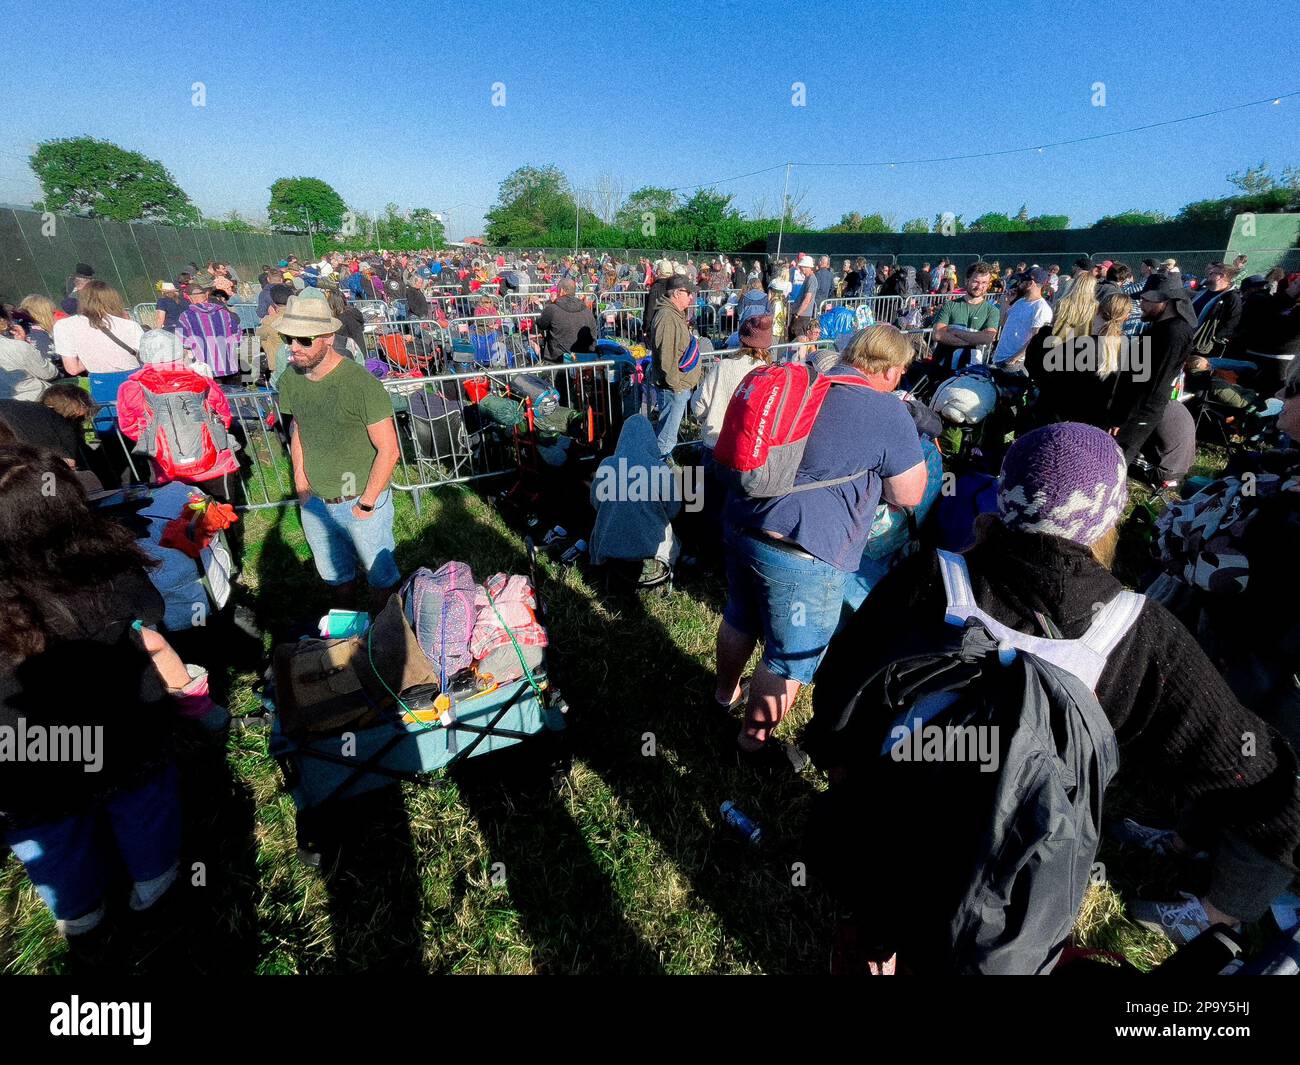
766, 428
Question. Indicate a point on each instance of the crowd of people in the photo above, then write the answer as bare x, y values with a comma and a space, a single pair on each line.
1104, 351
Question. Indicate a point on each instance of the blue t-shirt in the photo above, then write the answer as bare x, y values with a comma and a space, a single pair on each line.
856, 429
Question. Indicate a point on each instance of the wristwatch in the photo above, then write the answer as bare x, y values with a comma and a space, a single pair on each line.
366, 507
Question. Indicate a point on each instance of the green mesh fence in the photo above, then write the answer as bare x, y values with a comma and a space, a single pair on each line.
39, 252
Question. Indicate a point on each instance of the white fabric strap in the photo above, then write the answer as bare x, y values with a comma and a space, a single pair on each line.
1084, 657
1113, 622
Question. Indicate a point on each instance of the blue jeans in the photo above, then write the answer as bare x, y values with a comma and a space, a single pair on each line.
338, 540
672, 408
70, 861
788, 598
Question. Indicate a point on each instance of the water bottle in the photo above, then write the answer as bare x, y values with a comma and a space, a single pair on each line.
732, 816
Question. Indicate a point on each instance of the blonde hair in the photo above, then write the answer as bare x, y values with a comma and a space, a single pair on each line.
879, 348
1115, 310
41, 308
1075, 312
99, 301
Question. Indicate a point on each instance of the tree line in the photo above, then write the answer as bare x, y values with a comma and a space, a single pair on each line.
537, 207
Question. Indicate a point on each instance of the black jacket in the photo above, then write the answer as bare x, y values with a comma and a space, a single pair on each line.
93, 674
1178, 724
1138, 403
416, 304
1069, 389
1226, 312
566, 325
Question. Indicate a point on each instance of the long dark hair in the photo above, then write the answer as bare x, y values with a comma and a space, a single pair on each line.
53, 547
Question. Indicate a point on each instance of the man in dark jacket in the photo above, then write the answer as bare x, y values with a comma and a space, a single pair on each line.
566, 325
1140, 400
1221, 303
1043, 565
676, 368
417, 306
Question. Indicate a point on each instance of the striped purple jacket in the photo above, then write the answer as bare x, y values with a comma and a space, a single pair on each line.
212, 333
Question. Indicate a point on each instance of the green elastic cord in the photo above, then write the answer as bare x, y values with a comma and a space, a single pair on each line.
528, 673
370, 634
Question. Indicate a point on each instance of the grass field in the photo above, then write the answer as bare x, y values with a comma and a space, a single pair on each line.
622, 870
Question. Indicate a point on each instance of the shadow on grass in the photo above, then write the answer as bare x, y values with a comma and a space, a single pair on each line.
630, 685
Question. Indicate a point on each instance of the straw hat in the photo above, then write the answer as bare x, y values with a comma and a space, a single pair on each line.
306, 317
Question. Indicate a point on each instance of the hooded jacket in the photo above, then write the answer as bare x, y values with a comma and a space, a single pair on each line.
752, 303
630, 491
669, 338
566, 325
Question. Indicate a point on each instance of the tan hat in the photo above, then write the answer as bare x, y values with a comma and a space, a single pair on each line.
307, 318
663, 267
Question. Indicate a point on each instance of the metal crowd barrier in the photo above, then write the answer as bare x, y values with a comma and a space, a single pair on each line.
448, 436
421, 345
495, 340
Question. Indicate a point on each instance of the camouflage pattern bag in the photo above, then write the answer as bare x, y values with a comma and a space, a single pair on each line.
1201, 538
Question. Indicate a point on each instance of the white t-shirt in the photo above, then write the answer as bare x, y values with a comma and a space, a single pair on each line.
714, 394
76, 337
1021, 320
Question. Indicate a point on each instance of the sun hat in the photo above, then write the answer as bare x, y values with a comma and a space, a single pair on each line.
805, 262
307, 316
756, 332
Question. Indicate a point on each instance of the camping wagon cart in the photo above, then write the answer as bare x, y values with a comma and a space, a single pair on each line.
322, 772
378, 743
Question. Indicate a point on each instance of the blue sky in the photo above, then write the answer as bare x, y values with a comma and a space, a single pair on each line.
393, 101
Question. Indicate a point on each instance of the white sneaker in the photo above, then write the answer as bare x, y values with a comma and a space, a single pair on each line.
1180, 921
81, 925
144, 893
1157, 840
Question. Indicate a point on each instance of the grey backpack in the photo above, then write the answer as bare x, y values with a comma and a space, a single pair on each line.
964, 832
185, 438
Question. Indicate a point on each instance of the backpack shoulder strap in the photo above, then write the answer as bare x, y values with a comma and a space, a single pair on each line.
956, 583
1113, 623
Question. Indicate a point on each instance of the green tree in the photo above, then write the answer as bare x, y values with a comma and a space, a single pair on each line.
916, 225
659, 202
532, 201
995, 222
853, 222
304, 204
432, 232
958, 224
1130, 218
81, 175
233, 222
1049, 221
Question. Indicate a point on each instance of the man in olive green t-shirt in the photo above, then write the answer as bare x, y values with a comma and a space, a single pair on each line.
344, 447
968, 322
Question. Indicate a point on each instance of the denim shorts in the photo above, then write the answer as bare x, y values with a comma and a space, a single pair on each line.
71, 862
789, 599
338, 540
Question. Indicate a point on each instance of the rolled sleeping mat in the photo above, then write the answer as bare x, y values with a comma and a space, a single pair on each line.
504, 411
545, 398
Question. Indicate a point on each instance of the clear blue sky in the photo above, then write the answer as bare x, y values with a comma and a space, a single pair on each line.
392, 101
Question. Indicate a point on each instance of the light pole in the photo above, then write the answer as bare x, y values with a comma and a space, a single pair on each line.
785, 200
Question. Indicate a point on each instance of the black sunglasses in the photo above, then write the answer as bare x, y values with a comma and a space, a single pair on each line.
302, 342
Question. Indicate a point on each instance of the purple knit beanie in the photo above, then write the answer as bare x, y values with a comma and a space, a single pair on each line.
1067, 480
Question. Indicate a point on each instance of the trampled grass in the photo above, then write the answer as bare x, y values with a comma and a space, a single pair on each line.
622, 869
